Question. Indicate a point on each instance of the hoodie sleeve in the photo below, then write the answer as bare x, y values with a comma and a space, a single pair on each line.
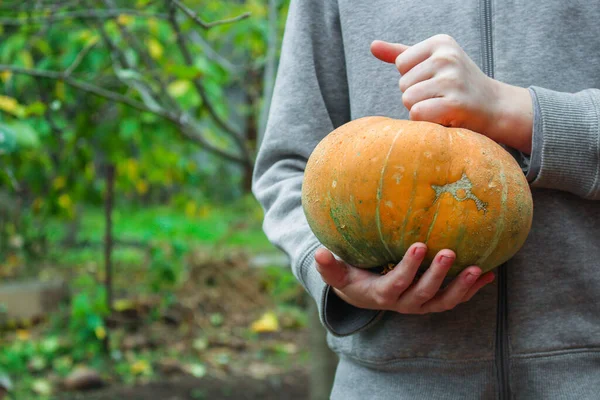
310, 99
569, 145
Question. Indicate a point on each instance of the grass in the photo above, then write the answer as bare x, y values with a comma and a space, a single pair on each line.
230, 226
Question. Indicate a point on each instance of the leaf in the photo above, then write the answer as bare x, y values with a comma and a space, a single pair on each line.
35, 108
5, 76
25, 136
184, 71
124, 19
190, 209
200, 344
216, 319
100, 332
42, 387
198, 370
267, 323
156, 49
141, 187
129, 127
65, 202
8, 142
178, 88
23, 334
140, 367
59, 182
11, 106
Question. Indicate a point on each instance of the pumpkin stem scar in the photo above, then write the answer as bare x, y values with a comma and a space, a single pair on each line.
461, 191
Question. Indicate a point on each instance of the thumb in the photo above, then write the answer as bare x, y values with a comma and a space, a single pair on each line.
386, 51
334, 272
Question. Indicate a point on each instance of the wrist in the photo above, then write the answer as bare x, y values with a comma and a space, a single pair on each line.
512, 123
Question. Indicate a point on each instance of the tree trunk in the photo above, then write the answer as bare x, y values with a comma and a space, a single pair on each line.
270, 69
323, 361
108, 244
251, 135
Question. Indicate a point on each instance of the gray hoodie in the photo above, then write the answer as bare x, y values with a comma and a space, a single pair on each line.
535, 332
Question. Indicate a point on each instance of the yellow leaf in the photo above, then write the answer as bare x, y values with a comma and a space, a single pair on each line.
23, 334
123, 305
100, 332
190, 209
132, 168
65, 202
90, 171
156, 49
27, 59
59, 90
153, 25
59, 182
267, 323
124, 19
178, 88
5, 76
204, 211
141, 187
140, 367
11, 105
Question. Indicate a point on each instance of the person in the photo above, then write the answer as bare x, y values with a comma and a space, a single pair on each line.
522, 73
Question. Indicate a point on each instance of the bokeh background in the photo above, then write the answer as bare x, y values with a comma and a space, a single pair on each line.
132, 260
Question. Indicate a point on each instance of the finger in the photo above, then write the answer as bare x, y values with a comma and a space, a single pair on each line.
390, 287
386, 51
333, 271
431, 281
483, 280
439, 110
450, 296
421, 51
420, 92
419, 73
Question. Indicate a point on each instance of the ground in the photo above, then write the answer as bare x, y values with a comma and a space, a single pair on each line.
291, 386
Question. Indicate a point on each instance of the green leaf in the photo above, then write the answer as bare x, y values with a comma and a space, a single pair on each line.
8, 142
184, 71
25, 136
128, 128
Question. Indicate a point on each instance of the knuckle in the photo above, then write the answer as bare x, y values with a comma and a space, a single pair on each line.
444, 38
382, 298
423, 295
407, 99
419, 113
403, 84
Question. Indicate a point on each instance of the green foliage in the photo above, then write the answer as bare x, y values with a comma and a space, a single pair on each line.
86, 322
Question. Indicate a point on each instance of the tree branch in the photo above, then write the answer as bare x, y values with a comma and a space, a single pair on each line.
187, 56
83, 14
207, 25
87, 87
79, 58
186, 127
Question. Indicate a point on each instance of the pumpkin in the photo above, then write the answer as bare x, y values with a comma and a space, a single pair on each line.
376, 185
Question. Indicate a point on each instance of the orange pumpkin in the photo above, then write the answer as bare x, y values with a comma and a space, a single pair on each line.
376, 185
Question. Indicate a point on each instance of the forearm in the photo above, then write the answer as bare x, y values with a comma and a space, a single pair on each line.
513, 121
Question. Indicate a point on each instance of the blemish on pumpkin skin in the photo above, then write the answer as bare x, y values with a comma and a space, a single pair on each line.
333, 184
389, 204
461, 191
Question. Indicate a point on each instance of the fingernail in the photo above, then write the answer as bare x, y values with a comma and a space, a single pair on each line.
471, 278
419, 251
446, 261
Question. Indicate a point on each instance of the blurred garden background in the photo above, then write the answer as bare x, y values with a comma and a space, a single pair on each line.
132, 260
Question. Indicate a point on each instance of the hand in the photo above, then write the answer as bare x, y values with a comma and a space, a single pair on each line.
398, 290
441, 84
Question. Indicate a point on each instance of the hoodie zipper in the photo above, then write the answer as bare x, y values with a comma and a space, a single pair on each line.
501, 316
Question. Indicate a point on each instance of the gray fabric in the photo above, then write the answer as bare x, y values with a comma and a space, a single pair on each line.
327, 77
531, 163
